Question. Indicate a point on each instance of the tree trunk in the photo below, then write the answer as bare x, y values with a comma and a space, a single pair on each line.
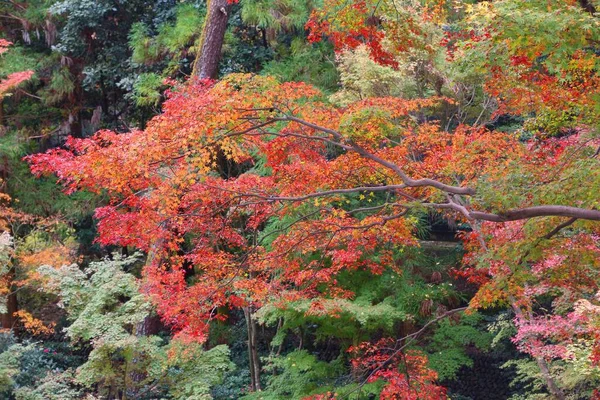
12, 306
553, 388
151, 325
211, 42
1, 117
7, 320
252, 350
588, 6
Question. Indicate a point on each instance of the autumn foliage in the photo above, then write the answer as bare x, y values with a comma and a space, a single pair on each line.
248, 191
198, 186
407, 375
14, 79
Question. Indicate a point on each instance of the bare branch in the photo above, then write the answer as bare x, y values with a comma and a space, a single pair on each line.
522, 213
558, 228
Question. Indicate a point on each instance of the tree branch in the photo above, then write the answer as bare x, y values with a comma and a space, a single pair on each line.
385, 188
558, 228
453, 192
522, 213
538, 211
408, 181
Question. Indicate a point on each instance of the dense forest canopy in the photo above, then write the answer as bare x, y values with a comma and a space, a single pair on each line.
332, 199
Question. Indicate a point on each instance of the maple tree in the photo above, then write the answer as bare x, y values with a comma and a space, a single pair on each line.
190, 189
13, 80
548, 74
279, 204
26, 242
551, 75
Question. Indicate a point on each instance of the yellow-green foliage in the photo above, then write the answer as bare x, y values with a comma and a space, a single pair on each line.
17, 59
369, 124
54, 386
579, 369
353, 318
189, 370
105, 305
297, 375
147, 89
276, 14
62, 85
361, 77
171, 38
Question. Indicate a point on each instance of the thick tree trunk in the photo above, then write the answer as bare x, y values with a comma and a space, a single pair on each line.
253, 350
211, 42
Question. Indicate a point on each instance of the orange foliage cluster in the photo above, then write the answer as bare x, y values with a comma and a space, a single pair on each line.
532, 74
576, 88
33, 325
56, 256
13, 80
4, 45
353, 24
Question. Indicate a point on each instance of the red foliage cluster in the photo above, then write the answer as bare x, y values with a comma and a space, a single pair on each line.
353, 25
453, 37
406, 374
